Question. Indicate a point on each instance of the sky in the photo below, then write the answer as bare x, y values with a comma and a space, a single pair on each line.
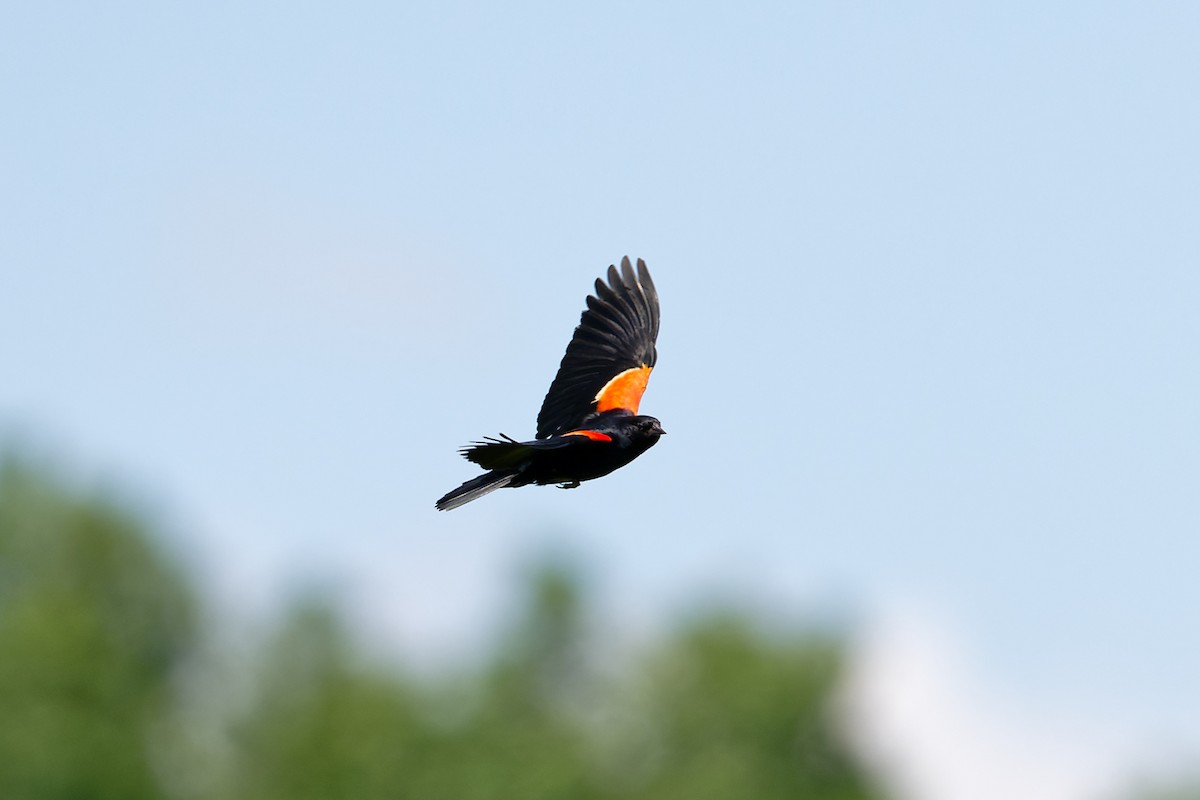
928, 360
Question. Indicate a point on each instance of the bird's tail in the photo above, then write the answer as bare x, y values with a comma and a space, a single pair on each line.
475, 488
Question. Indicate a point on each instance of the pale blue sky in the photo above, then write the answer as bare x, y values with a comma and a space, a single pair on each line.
929, 273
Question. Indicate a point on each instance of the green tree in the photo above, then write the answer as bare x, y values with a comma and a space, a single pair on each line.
716, 711
97, 624
732, 712
324, 725
94, 622
328, 724
527, 736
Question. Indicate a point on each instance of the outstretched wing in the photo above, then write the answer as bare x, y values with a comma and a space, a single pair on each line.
608, 361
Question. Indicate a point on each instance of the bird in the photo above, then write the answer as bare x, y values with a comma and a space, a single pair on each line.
589, 423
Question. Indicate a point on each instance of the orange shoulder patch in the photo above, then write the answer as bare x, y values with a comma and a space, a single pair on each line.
624, 391
595, 436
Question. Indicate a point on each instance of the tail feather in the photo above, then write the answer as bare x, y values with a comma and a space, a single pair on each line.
475, 488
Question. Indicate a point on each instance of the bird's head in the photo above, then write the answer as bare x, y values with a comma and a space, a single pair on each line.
649, 426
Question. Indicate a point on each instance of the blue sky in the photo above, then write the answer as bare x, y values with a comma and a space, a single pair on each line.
929, 279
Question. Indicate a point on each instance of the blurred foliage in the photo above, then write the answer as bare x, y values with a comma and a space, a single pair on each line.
93, 623
1182, 788
97, 626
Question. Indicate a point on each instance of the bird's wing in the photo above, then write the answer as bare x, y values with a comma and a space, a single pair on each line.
608, 361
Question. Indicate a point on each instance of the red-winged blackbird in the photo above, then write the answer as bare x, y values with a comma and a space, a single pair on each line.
588, 425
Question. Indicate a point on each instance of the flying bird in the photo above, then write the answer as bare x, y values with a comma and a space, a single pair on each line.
589, 423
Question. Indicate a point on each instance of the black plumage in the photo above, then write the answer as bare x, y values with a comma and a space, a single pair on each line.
588, 425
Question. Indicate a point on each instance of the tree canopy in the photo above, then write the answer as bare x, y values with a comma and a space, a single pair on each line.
98, 626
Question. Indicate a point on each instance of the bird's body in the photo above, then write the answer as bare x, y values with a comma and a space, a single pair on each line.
588, 425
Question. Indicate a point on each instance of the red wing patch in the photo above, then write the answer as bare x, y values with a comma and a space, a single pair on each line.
624, 391
595, 436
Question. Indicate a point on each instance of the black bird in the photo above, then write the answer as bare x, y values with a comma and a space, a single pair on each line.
589, 423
